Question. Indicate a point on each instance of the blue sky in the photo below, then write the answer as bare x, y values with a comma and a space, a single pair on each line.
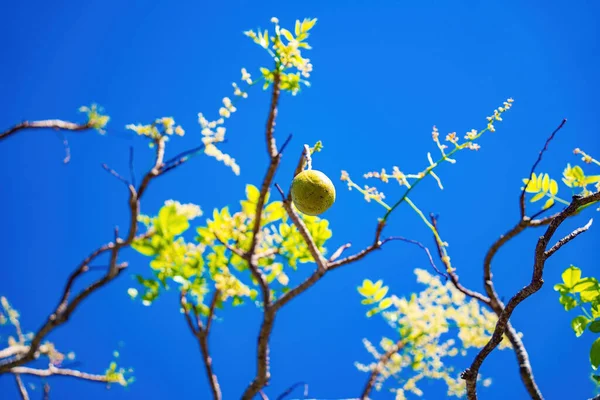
385, 73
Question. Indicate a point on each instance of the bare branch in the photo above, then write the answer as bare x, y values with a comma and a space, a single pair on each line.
535, 164
21, 387
336, 254
201, 334
211, 310
54, 371
115, 174
289, 390
383, 360
303, 230
287, 141
497, 306
262, 369
470, 375
45, 124
46, 391
568, 238
66, 307
186, 313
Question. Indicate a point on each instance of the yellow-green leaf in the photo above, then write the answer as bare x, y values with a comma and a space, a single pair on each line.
537, 197
539, 180
252, 193
553, 187
385, 303
592, 179
307, 24
549, 203
546, 183
571, 276
531, 184
288, 35
380, 294
367, 289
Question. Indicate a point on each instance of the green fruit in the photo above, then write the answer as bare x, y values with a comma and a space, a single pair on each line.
312, 192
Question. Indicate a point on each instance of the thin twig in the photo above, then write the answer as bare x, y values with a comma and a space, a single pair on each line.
45, 124
65, 143
568, 238
535, 164
540, 257
336, 254
287, 141
131, 166
21, 387
115, 174
289, 390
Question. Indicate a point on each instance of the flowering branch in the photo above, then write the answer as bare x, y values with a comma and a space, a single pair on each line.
383, 360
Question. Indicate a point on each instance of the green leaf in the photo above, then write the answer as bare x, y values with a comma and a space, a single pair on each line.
553, 187
367, 289
380, 294
568, 302
595, 354
587, 296
594, 326
571, 276
546, 183
561, 288
531, 183
579, 324
288, 35
549, 203
252, 193
591, 179
144, 247
372, 312
385, 303
585, 284
537, 197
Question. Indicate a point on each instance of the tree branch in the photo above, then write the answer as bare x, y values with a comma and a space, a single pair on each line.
201, 332
497, 306
54, 371
263, 375
56, 124
383, 360
535, 164
66, 307
470, 375
21, 387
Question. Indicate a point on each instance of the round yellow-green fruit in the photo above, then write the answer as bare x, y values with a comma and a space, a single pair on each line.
312, 192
